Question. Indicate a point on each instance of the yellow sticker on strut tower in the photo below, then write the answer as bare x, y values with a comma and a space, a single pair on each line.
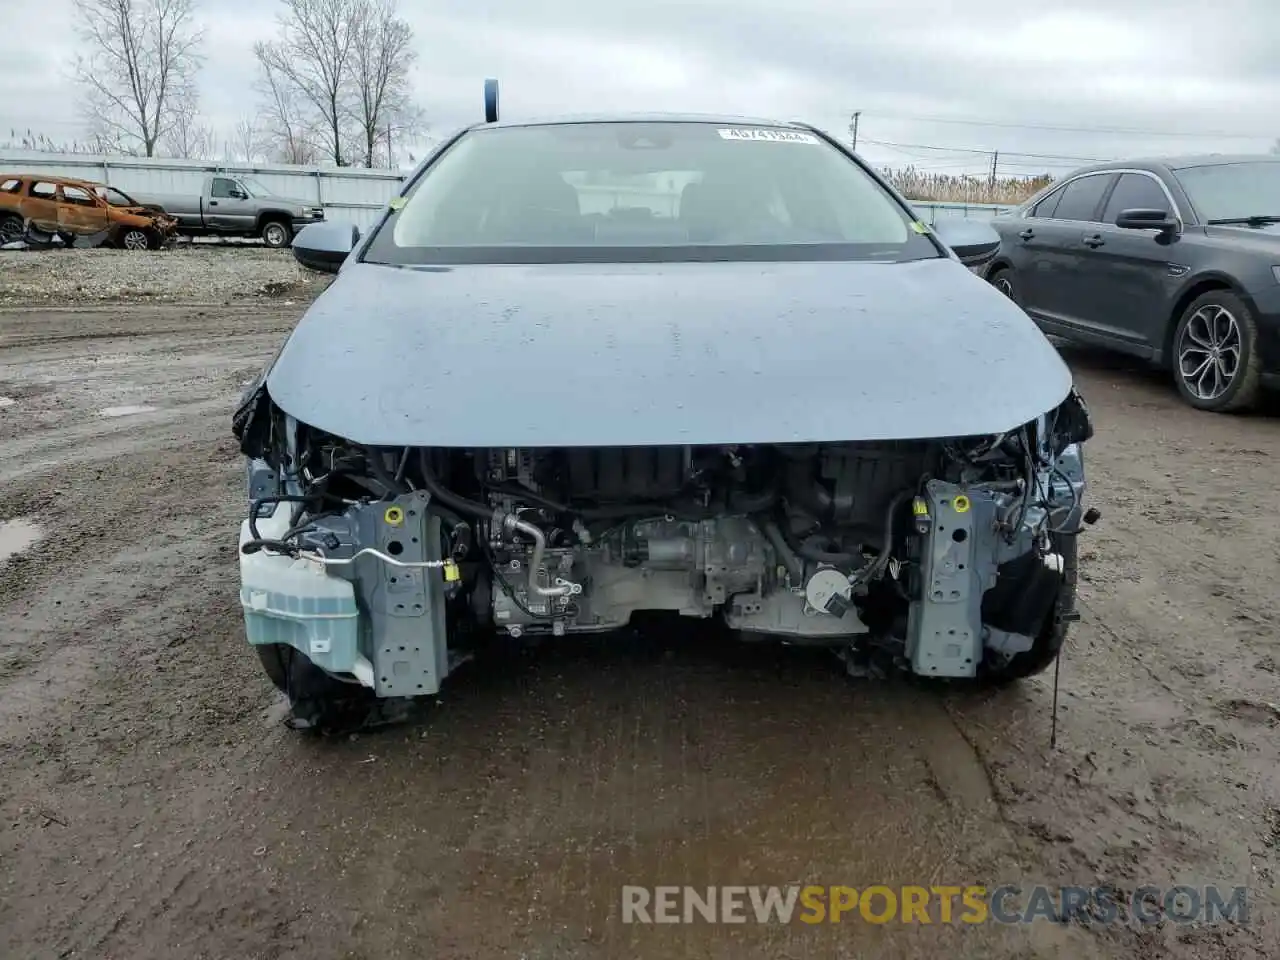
394, 516
961, 503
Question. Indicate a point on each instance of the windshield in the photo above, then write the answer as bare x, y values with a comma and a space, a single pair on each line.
645, 191
114, 197
1231, 191
254, 188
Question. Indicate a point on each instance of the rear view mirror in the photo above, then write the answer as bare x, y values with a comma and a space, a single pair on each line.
1143, 219
973, 242
324, 246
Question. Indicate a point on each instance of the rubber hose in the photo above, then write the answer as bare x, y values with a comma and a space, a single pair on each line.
447, 497
753, 502
805, 491
794, 565
878, 565
811, 549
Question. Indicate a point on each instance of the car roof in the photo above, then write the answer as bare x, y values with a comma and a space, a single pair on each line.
44, 178
1178, 162
716, 118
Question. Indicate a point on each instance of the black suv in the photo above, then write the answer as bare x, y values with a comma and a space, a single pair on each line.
1174, 260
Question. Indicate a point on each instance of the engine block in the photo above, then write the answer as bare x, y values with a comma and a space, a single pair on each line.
653, 564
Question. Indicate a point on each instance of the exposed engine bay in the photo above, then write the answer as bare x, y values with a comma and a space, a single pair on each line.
381, 565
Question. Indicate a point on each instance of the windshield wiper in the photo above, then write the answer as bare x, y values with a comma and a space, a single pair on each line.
1258, 221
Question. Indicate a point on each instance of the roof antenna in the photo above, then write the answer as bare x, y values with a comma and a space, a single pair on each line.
491, 100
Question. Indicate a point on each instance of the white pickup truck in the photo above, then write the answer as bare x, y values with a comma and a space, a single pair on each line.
234, 206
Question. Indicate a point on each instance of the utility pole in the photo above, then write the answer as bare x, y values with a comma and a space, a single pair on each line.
391, 163
853, 129
995, 160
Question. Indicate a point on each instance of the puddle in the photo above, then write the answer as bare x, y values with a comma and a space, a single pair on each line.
16, 536
7, 402
125, 411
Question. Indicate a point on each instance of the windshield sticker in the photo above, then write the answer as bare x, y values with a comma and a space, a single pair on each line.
919, 227
397, 203
773, 136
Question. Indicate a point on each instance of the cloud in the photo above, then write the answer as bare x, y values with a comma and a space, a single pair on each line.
1106, 68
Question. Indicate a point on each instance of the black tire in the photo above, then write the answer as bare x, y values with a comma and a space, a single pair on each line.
318, 703
1208, 314
276, 233
1047, 646
275, 659
11, 228
1006, 282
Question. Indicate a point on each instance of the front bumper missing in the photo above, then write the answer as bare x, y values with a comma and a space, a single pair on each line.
366, 600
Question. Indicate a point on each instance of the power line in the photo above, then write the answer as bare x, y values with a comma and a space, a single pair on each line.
966, 121
973, 150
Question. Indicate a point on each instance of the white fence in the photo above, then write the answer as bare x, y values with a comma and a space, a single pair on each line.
931, 211
346, 193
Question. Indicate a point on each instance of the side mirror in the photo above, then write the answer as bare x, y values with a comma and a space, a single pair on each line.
1143, 219
324, 246
974, 242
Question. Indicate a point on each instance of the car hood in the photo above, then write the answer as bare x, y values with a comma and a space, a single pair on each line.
639, 354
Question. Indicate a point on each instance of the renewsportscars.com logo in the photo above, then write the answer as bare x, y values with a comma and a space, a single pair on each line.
940, 904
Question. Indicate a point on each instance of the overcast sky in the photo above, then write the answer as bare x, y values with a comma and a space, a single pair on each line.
1060, 79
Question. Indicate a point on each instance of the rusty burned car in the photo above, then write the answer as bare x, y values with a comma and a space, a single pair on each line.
80, 212
588, 370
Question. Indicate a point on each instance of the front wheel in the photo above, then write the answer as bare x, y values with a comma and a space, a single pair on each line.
276, 234
1048, 645
1215, 354
1005, 281
135, 239
318, 702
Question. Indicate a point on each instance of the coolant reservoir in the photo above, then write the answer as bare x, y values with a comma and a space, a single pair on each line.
295, 602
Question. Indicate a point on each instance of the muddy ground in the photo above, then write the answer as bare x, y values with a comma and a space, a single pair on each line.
153, 806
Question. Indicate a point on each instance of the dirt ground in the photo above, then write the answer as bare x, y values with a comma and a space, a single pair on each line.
153, 806
212, 272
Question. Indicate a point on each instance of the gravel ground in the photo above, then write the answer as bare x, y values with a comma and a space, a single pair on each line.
185, 272
152, 805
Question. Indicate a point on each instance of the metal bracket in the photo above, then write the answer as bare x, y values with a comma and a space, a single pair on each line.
943, 637
406, 605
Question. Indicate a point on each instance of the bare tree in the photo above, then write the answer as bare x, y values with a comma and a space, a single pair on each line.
188, 138
313, 58
337, 77
140, 66
381, 63
248, 140
286, 126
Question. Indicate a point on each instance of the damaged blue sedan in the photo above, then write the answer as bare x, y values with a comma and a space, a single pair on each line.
583, 370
